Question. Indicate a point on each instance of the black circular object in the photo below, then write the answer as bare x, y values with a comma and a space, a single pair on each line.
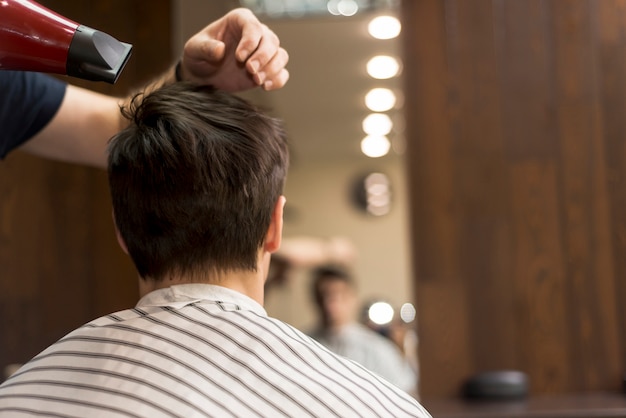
497, 385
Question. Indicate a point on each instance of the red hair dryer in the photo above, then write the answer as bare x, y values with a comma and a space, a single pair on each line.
34, 38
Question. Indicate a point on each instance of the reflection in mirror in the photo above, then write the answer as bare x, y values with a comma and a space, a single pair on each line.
324, 106
372, 193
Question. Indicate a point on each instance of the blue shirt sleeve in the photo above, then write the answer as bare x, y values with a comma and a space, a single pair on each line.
28, 101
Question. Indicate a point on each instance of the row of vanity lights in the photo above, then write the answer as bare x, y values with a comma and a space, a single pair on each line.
378, 124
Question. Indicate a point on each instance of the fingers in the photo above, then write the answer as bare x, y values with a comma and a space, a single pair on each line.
204, 48
215, 54
274, 75
267, 64
252, 32
270, 68
259, 48
262, 42
277, 82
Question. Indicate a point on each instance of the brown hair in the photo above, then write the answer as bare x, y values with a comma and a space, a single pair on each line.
328, 273
194, 179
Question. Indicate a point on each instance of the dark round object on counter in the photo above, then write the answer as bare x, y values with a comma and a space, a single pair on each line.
497, 385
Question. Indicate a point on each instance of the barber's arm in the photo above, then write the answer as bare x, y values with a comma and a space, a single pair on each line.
235, 53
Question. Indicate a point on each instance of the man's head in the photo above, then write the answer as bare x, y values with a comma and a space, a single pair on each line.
335, 296
195, 180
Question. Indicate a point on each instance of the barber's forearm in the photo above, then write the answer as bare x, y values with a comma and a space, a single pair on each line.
80, 130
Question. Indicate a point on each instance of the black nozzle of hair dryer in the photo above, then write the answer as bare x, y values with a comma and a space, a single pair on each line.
97, 56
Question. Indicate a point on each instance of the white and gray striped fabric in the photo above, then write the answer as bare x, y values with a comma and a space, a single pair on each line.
196, 351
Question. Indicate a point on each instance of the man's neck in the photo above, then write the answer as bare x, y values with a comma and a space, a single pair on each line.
249, 283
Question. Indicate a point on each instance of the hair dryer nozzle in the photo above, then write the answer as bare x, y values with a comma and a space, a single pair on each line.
95, 55
34, 38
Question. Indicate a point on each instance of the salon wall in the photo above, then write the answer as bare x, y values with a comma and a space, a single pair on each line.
518, 182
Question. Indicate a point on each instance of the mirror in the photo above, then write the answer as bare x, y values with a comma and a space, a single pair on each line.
323, 107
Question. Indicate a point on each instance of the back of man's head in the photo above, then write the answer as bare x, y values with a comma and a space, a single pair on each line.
194, 180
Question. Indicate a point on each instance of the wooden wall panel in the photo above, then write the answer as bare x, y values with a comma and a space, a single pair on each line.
516, 158
61, 265
610, 67
432, 106
538, 276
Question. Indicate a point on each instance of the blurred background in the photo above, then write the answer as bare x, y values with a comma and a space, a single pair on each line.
505, 174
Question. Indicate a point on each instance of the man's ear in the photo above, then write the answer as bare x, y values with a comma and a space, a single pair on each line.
274, 234
120, 240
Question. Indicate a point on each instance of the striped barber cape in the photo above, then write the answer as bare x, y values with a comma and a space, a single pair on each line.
197, 350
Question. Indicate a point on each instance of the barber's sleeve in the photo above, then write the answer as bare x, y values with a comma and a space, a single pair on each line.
28, 102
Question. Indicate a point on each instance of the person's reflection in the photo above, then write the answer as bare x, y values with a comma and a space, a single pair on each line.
335, 296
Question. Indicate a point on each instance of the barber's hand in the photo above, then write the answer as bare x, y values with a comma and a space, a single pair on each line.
235, 53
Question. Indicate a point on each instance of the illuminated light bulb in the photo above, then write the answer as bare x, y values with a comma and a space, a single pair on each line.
382, 67
377, 124
333, 7
380, 313
380, 99
379, 199
378, 210
375, 146
384, 27
376, 179
377, 187
348, 7
408, 312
